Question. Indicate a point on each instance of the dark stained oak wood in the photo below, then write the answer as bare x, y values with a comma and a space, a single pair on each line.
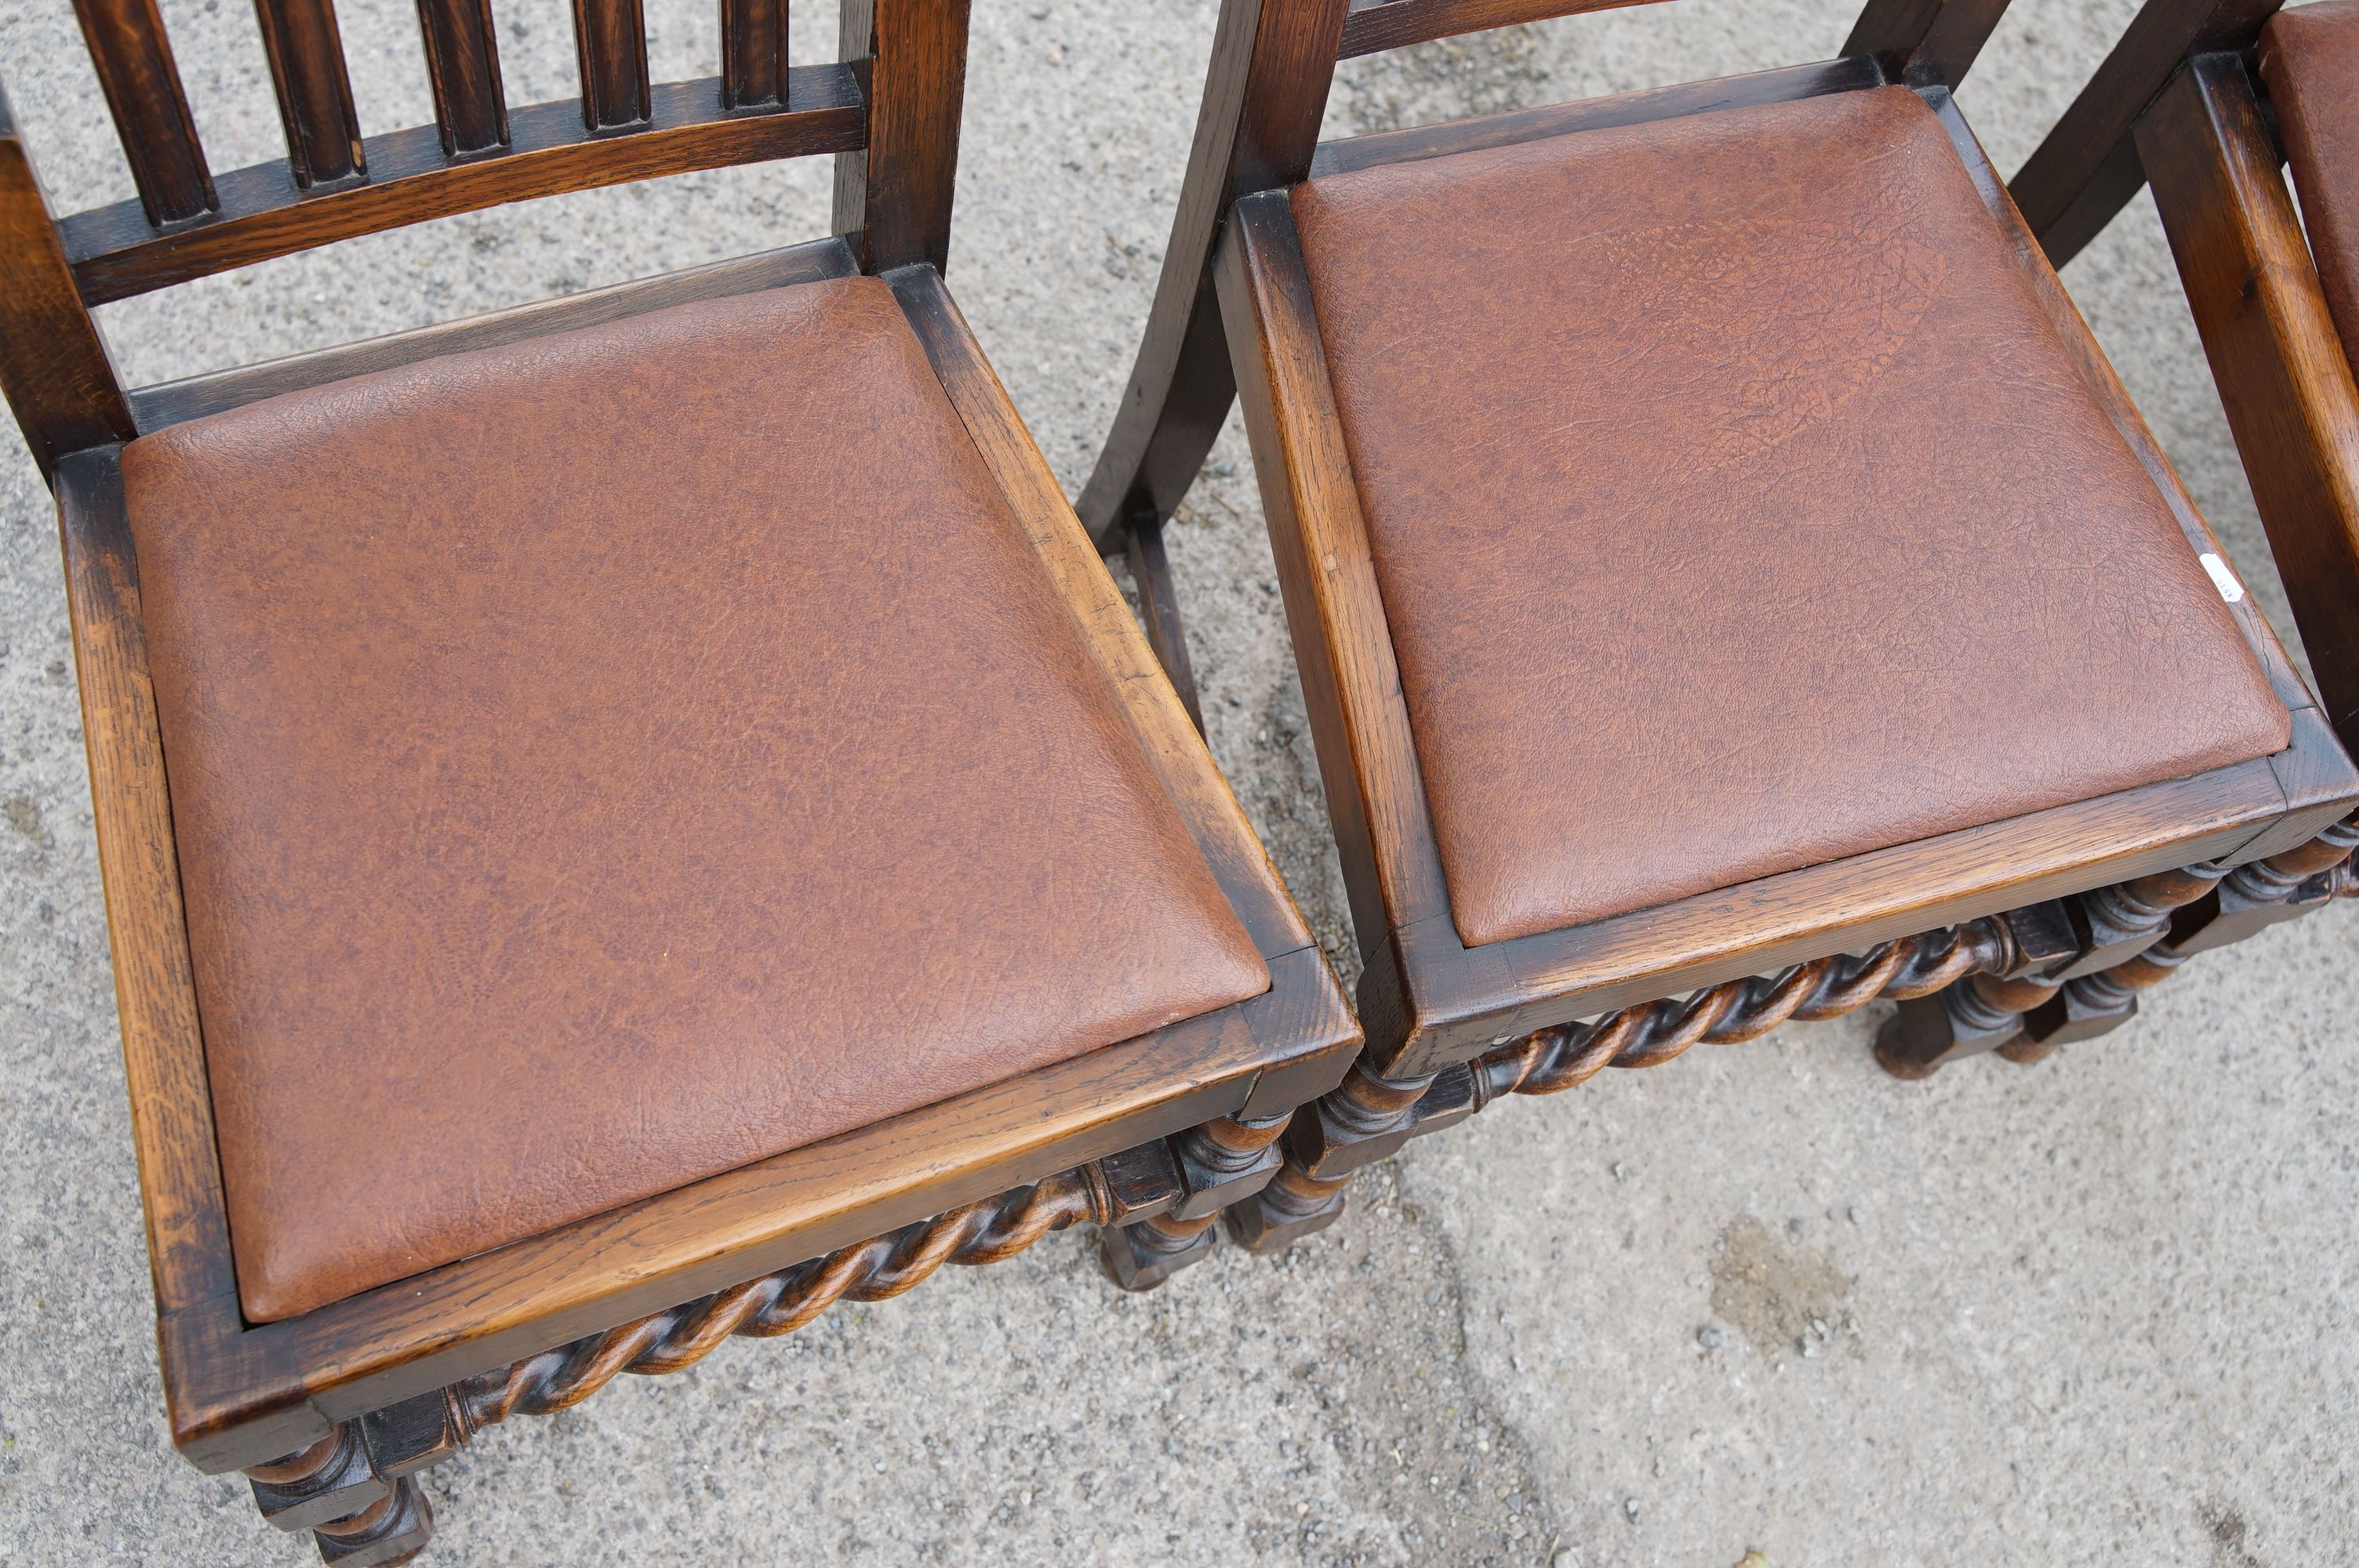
462, 66
163, 1050
753, 53
896, 192
331, 1412
315, 94
1272, 63
610, 40
1377, 25
1158, 608
169, 403
133, 60
53, 363
2087, 168
1845, 75
2283, 376
1926, 43
117, 255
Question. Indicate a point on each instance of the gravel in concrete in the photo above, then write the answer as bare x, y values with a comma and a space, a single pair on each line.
1768, 1307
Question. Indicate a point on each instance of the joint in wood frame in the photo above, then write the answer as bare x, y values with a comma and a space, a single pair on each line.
329, 1480
393, 1529
1226, 1161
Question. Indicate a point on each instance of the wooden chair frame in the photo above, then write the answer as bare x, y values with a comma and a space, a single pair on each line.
2016, 935
332, 1412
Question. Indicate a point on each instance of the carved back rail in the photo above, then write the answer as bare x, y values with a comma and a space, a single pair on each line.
891, 109
1273, 64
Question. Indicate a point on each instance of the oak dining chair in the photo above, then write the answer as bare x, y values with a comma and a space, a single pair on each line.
626, 821
2206, 101
1728, 582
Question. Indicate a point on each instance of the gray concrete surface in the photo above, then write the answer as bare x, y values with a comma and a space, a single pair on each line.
2096, 1312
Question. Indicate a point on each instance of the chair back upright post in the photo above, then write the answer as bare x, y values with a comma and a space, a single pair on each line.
1272, 65
888, 111
2088, 167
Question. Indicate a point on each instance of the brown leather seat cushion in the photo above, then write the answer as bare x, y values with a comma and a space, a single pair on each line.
1736, 508
2310, 59
605, 760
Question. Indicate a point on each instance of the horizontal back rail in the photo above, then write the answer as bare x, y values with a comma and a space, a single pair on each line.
1375, 26
117, 252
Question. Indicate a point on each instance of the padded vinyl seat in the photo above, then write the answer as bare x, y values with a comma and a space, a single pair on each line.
1736, 507
2310, 60
604, 761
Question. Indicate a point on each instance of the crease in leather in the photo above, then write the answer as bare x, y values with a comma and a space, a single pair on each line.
603, 761
1736, 508
2310, 62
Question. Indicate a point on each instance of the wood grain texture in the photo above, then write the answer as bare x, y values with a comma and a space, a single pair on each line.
753, 53
116, 254
163, 1049
895, 194
53, 363
2283, 376
462, 67
610, 40
315, 94
1327, 578
1272, 64
1851, 74
1377, 25
1925, 43
133, 60
2087, 168
156, 406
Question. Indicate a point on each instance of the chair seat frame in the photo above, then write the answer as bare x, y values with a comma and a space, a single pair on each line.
331, 1413
2018, 934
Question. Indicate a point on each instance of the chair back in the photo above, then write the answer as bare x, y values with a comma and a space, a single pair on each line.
890, 111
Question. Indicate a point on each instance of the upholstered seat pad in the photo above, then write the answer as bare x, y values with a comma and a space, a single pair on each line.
605, 760
1736, 508
2310, 59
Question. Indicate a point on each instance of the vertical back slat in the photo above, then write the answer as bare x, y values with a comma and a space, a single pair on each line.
753, 53
315, 96
151, 114
893, 200
53, 365
612, 39
462, 65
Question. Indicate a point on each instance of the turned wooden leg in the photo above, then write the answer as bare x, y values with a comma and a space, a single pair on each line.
328, 1480
393, 1529
1982, 1012
1294, 1205
356, 1489
1211, 1166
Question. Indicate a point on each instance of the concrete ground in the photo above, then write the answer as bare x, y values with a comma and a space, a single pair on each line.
1766, 1301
